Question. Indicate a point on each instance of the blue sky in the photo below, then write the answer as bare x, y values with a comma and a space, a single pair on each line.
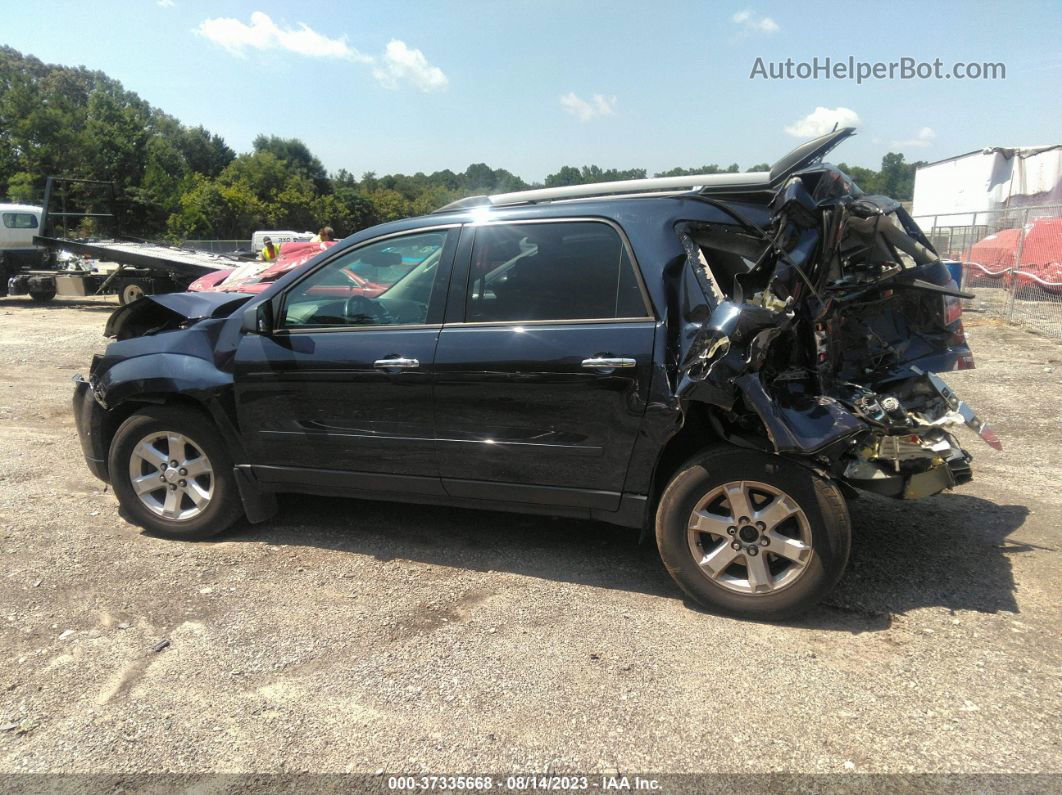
531, 85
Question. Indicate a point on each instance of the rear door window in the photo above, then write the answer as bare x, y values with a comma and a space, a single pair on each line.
557, 271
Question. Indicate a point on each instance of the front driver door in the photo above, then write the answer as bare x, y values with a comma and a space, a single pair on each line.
339, 396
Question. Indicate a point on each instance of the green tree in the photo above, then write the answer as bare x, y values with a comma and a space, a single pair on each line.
570, 175
262, 173
867, 179
115, 135
71, 121
897, 176
40, 122
368, 181
21, 188
211, 209
64, 121
390, 204
345, 211
204, 152
343, 179
360, 211
432, 198
567, 175
449, 180
292, 207
298, 157
711, 168
478, 178
165, 169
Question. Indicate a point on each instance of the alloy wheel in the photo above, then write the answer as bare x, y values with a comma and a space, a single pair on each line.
750, 537
171, 475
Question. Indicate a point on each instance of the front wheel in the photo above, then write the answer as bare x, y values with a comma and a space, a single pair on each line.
42, 296
751, 534
172, 475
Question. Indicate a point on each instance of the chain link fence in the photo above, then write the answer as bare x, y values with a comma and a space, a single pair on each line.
217, 246
1011, 261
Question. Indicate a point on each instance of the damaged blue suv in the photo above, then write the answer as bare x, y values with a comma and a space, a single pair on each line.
721, 359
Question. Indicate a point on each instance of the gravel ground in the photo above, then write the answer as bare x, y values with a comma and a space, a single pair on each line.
363, 636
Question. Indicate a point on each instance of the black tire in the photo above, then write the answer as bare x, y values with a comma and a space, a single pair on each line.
827, 522
224, 506
42, 296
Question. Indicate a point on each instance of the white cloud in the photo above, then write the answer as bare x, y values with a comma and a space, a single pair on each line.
585, 111
821, 120
165, 3
264, 34
400, 63
751, 22
922, 139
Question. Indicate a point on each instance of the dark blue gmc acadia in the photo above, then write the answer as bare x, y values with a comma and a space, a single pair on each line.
720, 359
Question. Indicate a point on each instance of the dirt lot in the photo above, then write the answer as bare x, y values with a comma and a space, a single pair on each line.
358, 636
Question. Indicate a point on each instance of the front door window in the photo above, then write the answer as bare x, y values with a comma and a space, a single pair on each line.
388, 283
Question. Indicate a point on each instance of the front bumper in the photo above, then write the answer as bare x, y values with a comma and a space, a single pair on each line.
89, 417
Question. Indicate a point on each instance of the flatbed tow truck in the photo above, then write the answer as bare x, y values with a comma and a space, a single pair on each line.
143, 267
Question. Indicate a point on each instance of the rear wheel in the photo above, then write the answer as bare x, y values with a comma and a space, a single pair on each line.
172, 475
751, 534
42, 296
129, 292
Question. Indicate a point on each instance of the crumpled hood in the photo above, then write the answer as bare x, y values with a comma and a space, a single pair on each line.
154, 313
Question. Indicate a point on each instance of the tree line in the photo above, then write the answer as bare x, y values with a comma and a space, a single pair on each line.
184, 182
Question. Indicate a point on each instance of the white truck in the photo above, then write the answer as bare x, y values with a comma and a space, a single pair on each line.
278, 237
37, 261
19, 223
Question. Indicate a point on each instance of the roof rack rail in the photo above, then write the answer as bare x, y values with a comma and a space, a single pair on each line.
750, 182
757, 180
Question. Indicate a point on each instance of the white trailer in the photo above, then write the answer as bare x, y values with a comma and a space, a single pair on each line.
988, 179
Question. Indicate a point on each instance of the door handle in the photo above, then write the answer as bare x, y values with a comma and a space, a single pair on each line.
607, 363
396, 363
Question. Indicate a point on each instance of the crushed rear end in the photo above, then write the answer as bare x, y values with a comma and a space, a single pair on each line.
823, 335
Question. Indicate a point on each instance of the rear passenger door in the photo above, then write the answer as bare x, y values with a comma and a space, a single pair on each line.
543, 365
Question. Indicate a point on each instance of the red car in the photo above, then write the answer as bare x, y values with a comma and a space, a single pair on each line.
256, 276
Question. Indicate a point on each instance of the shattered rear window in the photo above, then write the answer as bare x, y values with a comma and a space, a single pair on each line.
723, 251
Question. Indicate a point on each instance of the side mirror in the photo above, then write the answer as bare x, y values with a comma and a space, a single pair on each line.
258, 319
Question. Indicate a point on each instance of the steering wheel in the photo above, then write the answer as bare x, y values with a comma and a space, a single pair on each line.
362, 310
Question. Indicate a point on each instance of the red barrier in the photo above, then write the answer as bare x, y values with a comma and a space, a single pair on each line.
1048, 277
1027, 255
